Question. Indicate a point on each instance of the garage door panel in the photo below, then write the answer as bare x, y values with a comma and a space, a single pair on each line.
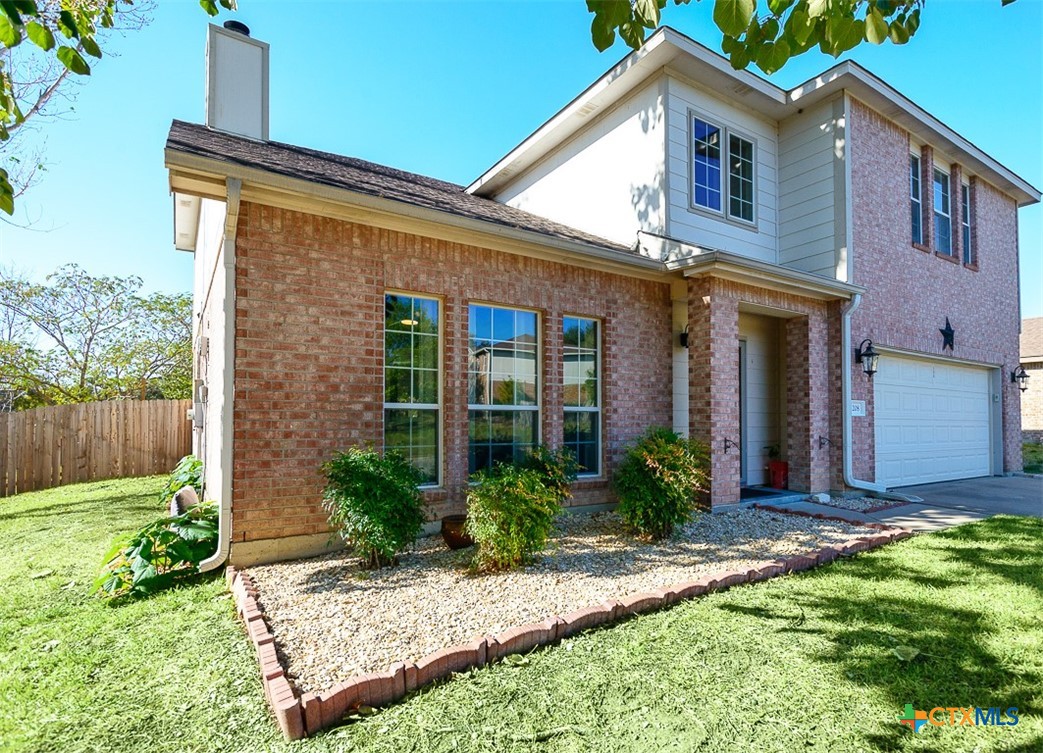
932, 421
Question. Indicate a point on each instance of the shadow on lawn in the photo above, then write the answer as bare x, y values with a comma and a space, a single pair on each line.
903, 602
101, 507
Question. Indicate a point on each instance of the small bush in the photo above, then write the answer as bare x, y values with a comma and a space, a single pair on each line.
658, 482
510, 513
187, 472
558, 469
374, 503
160, 554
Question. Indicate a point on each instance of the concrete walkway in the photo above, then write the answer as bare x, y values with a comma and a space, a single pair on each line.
947, 504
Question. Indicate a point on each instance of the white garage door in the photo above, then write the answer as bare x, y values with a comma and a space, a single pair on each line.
932, 421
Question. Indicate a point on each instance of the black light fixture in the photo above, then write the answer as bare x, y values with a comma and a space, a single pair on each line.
1020, 377
865, 355
684, 338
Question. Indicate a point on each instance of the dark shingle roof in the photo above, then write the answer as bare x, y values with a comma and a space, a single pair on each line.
366, 178
1032, 338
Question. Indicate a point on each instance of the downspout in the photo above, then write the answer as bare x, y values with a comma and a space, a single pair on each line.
845, 366
224, 515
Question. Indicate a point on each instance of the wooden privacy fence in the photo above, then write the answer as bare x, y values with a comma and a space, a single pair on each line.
65, 444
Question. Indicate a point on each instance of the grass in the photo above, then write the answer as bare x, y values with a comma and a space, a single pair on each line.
801, 663
1033, 457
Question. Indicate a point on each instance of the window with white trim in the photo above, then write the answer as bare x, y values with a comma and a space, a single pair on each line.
411, 380
965, 202
709, 188
582, 396
942, 213
915, 201
503, 396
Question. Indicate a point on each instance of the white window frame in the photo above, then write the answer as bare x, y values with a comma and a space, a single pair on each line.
916, 197
947, 194
966, 223
437, 407
726, 133
595, 409
538, 407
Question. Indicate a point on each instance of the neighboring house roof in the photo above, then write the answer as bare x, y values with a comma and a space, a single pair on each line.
669, 49
1032, 339
367, 178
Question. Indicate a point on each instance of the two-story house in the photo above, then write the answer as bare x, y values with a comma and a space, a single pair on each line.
682, 245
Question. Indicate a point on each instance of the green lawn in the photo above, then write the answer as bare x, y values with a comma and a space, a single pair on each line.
1032, 455
800, 663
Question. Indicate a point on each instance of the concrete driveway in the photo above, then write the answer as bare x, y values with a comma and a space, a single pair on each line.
951, 503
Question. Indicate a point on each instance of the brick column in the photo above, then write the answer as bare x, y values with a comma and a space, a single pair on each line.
807, 399
713, 369
927, 195
552, 430
956, 210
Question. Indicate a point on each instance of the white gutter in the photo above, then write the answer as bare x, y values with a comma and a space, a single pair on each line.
224, 514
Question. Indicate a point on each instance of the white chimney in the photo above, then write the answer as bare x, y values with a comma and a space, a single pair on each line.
236, 81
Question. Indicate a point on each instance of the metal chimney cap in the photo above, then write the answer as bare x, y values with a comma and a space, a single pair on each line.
237, 26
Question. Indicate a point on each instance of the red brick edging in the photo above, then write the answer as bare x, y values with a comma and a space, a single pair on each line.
300, 715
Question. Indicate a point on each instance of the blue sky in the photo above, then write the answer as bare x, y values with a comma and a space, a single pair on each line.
445, 89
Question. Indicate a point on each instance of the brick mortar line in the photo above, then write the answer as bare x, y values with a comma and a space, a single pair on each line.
300, 715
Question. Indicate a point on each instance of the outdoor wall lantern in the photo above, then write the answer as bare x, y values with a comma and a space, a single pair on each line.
865, 355
1020, 377
684, 338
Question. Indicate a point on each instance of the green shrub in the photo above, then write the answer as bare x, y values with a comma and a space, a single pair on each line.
374, 503
659, 480
510, 513
187, 472
160, 554
557, 467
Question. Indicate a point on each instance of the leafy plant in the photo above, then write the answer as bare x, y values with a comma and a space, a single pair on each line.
659, 480
510, 513
187, 472
160, 554
774, 452
374, 503
557, 467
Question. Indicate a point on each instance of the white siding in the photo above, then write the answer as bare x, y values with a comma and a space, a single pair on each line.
707, 229
763, 426
607, 180
812, 236
209, 322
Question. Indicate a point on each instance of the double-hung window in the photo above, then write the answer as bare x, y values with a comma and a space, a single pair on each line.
411, 380
942, 213
503, 385
915, 202
965, 203
710, 190
582, 370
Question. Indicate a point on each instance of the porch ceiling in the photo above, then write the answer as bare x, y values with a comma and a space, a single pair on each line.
761, 274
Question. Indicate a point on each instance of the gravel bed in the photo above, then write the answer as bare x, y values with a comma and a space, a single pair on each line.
333, 620
861, 504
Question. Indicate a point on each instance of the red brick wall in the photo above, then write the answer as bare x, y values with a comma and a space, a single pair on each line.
911, 290
309, 353
1032, 404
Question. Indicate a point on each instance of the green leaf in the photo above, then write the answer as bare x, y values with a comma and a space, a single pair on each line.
633, 33
40, 35
67, 25
733, 16
778, 7
10, 35
90, 46
739, 58
74, 61
775, 56
728, 44
876, 27
800, 25
209, 6
898, 33
905, 653
817, 8
229, 4
602, 34
647, 12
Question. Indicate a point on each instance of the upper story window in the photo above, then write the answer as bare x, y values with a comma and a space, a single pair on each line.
942, 213
411, 380
965, 200
503, 398
915, 202
709, 188
582, 397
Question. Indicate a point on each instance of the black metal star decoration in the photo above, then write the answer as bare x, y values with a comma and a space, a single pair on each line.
947, 335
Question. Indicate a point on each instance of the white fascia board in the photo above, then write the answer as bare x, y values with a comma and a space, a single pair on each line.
893, 105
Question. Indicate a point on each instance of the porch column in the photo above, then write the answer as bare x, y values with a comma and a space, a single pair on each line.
808, 402
713, 383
